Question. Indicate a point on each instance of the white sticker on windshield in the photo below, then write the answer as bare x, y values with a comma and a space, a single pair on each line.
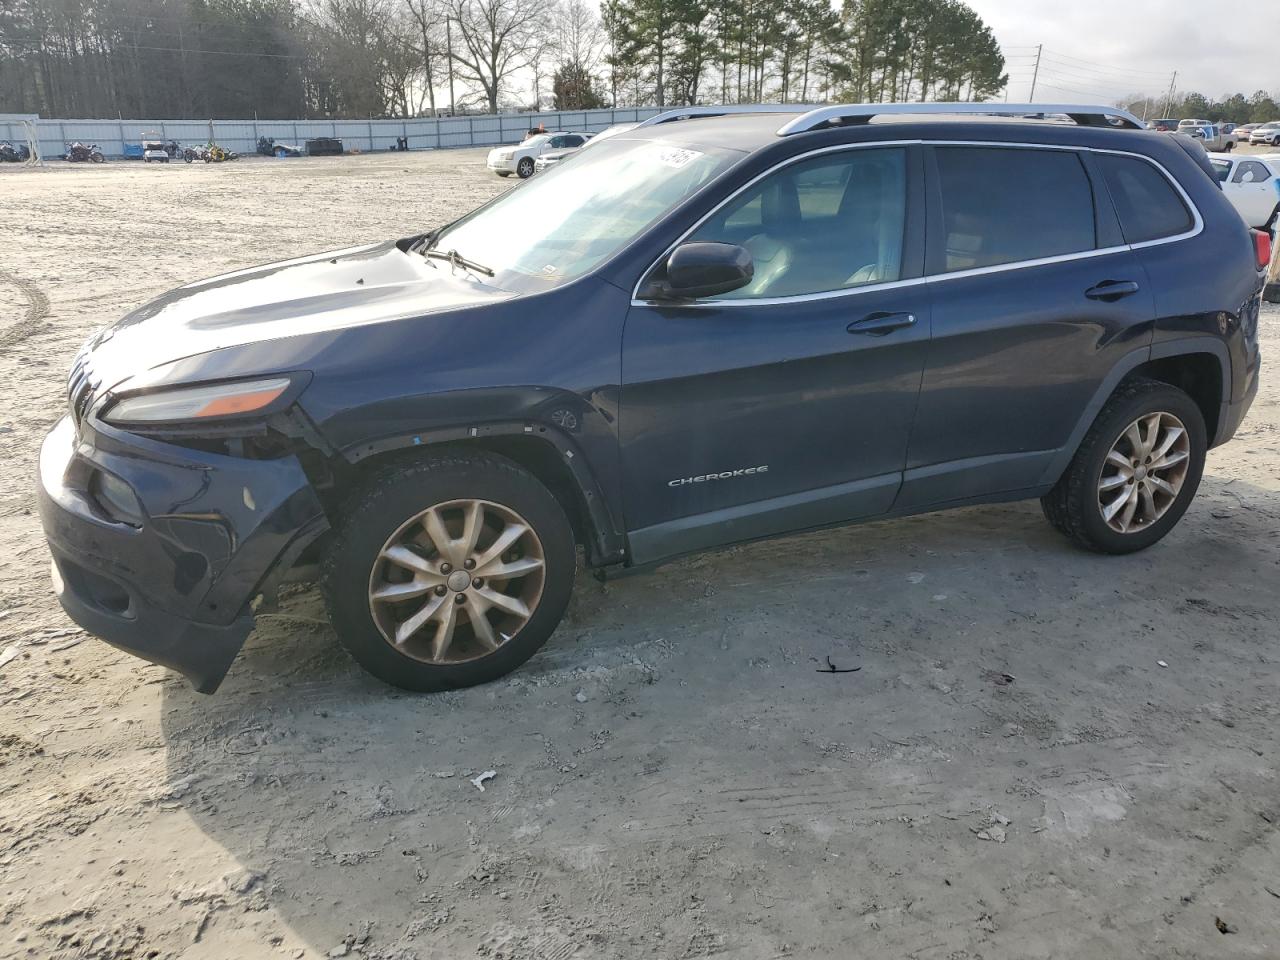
676, 156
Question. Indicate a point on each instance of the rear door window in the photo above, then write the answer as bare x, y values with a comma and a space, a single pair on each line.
1251, 171
1005, 205
1147, 203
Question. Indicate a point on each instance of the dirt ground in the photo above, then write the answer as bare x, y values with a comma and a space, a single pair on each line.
1044, 753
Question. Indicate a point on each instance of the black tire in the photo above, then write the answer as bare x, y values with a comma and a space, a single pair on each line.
400, 492
524, 169
503, 173
1072, 505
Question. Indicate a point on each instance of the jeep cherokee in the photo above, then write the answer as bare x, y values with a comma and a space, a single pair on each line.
721, 325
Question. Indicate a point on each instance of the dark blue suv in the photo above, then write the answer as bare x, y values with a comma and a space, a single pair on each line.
709, 329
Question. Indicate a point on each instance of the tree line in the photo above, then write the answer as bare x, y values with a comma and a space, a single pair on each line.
1262, 107
403, 58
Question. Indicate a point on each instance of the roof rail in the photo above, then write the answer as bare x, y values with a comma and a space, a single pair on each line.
1087, 115
688, 113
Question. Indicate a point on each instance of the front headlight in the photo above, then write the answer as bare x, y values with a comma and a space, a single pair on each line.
205, 402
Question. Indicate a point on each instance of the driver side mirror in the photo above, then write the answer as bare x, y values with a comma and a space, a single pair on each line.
696, 270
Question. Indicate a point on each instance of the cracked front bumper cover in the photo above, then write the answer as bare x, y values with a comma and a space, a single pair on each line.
174, 586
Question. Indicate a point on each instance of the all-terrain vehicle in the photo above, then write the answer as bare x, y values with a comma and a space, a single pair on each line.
723, 324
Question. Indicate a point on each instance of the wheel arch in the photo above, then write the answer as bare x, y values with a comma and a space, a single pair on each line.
547, 453
1183, 362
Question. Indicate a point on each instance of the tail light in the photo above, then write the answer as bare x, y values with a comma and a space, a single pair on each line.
1262, 247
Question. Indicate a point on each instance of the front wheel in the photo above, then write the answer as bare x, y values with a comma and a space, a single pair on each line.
1136, 470
524, 169
450, 571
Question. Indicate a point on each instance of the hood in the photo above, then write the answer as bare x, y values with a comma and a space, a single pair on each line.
323, 292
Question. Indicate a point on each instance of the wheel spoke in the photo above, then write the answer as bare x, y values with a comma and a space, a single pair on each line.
404, 557
1120, 460
476, 609
1153, 431
505, 540
395, 592
471, 528
504, 602
1163, 485
1170, 438
1113, 481
1130, 507
497, 570
433, 524
416, 622
444, 629
1170, 460
1149, 512
1109, 510
1134, 435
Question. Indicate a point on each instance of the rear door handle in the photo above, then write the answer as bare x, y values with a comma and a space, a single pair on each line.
878, 324
1110, 290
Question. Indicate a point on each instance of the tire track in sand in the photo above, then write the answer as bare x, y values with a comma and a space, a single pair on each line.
37, 312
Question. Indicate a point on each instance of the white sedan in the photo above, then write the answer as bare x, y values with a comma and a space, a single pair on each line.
1251, 183
504, 161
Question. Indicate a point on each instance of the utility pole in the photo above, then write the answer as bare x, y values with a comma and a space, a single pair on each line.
448, 39
1036, 73
1168, 100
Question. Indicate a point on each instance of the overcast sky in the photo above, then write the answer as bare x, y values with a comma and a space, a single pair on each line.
1111, 48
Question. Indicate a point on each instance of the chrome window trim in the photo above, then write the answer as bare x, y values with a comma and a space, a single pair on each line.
1196, 228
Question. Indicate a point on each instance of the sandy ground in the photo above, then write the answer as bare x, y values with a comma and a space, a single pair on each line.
674, 777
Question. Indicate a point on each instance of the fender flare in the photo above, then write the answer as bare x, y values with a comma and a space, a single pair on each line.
605, 541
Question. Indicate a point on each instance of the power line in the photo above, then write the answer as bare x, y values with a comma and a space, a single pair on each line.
1103, 66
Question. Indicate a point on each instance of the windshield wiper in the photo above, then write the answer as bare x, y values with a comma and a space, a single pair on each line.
455, 259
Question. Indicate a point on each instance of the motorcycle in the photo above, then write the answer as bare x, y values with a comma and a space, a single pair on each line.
77, 152
216, 154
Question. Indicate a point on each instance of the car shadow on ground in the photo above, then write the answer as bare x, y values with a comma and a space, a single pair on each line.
678, 770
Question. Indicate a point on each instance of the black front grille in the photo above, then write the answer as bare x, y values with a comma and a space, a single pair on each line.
80, 388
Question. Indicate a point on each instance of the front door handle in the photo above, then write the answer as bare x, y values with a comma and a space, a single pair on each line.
878, 324
1111, 290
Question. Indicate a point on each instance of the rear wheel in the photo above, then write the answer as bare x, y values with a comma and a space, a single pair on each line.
449, 572
1135, 473
524, 169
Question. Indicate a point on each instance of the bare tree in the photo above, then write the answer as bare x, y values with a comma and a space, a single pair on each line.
495, 39
579, 34
430, 19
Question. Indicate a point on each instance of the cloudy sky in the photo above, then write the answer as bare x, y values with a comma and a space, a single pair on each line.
1111, 48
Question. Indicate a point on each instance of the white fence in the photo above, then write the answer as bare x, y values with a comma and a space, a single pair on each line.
365, 135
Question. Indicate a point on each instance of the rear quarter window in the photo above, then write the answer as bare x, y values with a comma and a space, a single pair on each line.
1148, 205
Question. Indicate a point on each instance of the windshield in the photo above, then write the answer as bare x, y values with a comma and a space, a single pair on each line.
1221, 168
557, 226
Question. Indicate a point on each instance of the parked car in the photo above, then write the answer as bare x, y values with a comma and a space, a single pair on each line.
1242, 132
557, 154
1168, 125
1251, 184
708, 330
520, 159
1210, 135
1267, 133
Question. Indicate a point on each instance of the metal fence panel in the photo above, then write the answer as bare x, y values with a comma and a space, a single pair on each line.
423, 133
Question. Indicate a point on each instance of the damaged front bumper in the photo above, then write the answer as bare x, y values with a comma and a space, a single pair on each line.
169, 574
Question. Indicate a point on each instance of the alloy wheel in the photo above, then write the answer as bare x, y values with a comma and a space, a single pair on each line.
457, 581
1143, 472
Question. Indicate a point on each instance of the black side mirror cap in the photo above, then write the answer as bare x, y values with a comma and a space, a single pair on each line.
696, 270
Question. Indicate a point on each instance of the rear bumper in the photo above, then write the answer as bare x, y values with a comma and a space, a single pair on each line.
173, 583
